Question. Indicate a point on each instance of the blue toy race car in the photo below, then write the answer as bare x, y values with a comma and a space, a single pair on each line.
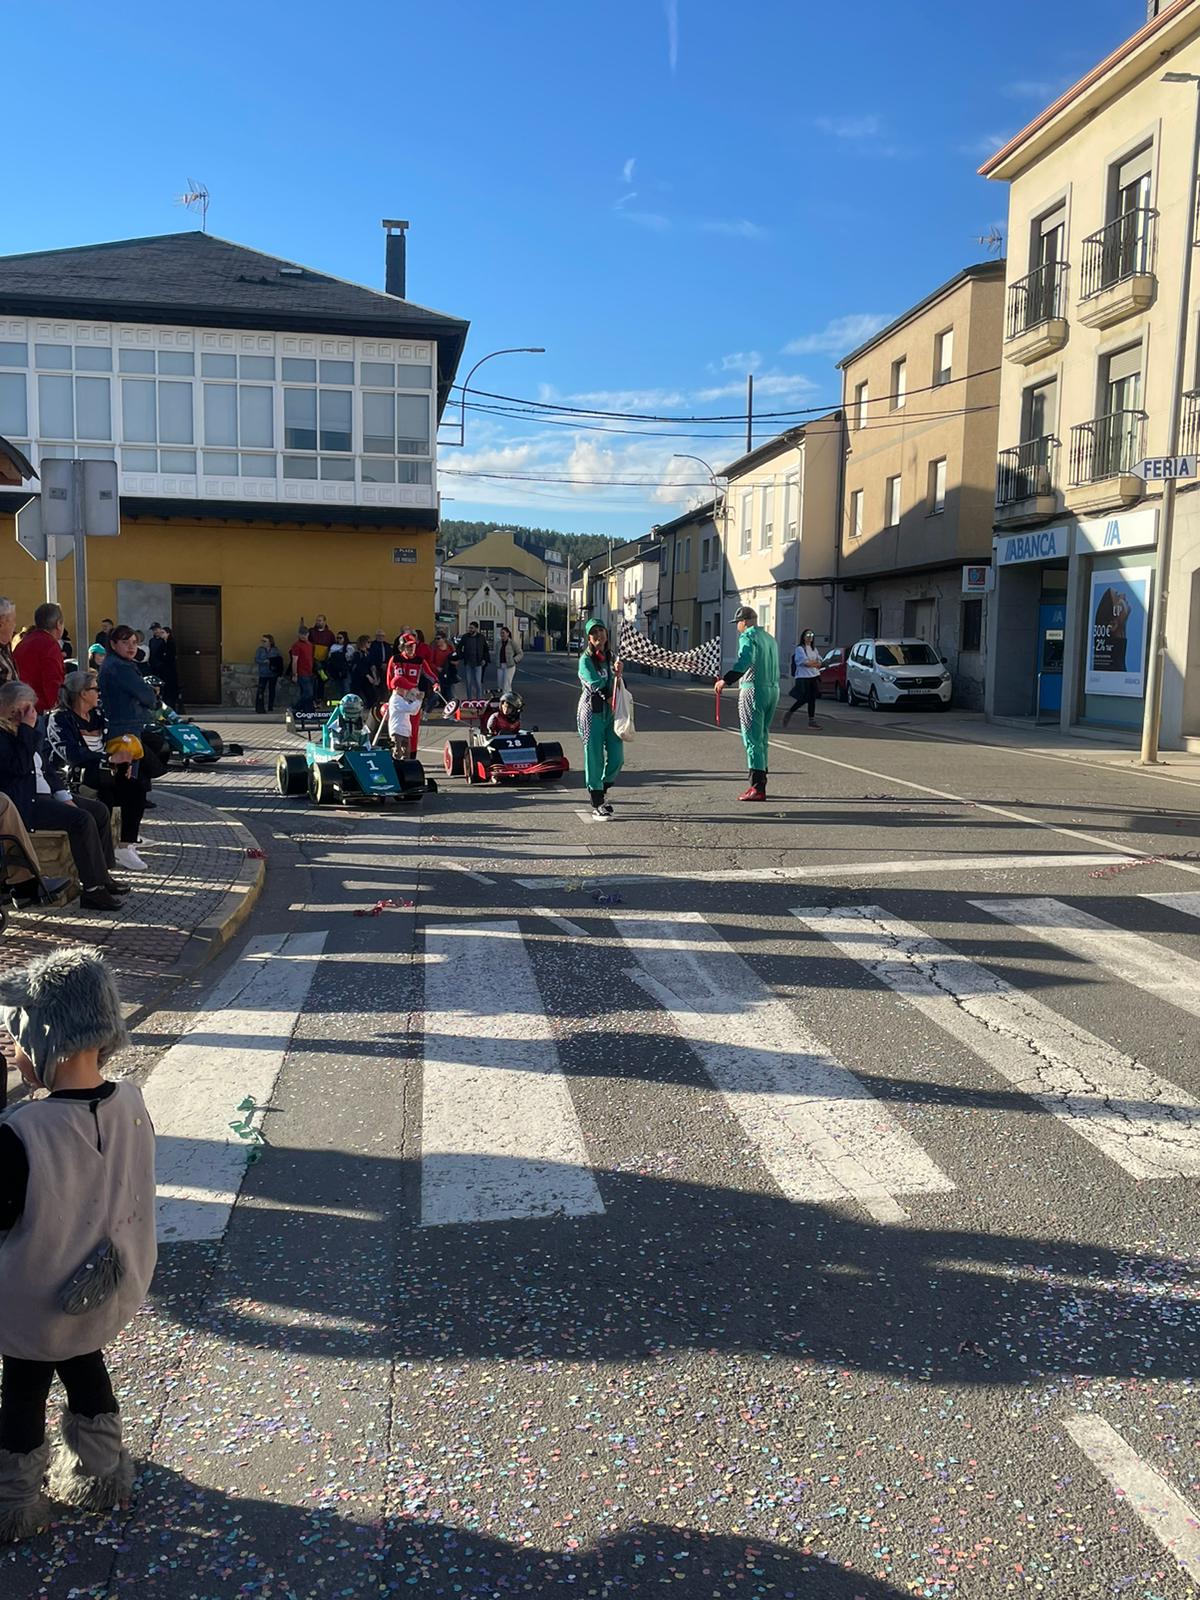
342, 766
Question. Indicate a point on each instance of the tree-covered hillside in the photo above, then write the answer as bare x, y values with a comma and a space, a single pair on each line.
577, 547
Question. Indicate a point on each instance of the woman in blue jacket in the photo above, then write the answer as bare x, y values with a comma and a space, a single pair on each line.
127, 699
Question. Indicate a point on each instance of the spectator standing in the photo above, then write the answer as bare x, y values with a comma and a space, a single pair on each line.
322, 638
141, 653
269, 665
407, 676
301, 671
106, 627
39, 658
364, 680
441, 663
337, 664
508, 658
79, 741
474, 654
78, 1250
37, 785
170, 668
127, 700
8, 626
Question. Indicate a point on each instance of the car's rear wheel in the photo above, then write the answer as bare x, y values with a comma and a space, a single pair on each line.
454, 757
470, 775
873, 699
291, 775
324, 783
551, 751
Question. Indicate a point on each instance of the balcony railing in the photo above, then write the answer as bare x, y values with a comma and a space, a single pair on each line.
1189, 424
1026, 471
1038, 298
1123, 249
1106, 447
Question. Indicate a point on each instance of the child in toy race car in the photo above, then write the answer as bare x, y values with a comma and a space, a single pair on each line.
507, 716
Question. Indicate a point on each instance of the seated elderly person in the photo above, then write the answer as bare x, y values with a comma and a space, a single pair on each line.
108, 768
37, 785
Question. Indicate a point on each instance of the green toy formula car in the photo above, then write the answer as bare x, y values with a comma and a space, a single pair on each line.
341, 765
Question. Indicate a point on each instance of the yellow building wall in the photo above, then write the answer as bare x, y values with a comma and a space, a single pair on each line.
268, 576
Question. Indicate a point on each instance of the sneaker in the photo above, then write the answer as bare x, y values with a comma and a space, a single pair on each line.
128, 858
752, 794
606, 807
602, 813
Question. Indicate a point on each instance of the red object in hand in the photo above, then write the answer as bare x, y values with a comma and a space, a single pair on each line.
717, 687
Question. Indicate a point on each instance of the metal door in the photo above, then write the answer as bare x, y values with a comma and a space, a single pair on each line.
196, 619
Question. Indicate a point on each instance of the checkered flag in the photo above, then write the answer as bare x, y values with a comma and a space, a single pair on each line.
704, 660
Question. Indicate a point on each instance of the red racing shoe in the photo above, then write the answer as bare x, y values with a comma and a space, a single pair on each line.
753, 793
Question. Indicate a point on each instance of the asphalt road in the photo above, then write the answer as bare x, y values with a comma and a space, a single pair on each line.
781, 1200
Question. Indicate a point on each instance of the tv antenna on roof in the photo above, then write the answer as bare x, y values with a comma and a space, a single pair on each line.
196, 199
993, 240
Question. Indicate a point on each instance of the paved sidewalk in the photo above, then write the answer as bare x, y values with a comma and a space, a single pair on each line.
200, 884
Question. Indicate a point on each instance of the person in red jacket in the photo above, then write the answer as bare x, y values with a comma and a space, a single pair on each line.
408, 675
39, 658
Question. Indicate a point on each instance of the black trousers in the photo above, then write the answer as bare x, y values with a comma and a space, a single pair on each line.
128, 796
803, 692
264, 697
85, 823
25, 1388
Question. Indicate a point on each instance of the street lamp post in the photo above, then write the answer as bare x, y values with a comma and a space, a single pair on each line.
1152, 714
512, 350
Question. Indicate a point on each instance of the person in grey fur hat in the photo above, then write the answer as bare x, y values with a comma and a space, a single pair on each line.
77, 1238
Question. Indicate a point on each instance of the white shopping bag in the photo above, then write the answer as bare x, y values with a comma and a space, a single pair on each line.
623, 714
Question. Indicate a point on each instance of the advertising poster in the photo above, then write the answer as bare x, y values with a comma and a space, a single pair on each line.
1118, 615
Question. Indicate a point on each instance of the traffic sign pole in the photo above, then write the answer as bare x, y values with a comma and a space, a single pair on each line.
1157, 617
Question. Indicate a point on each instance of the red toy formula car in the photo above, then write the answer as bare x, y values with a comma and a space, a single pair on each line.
500, 757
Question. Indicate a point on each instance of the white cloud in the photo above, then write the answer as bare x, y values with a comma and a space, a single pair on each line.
625, 199
838, 337
737, 361
738, 228
986, 145
774, 385
652, 221
627, 170
863, 127
671, 9
629, 399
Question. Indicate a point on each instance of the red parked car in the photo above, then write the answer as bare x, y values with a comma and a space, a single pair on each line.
833, 672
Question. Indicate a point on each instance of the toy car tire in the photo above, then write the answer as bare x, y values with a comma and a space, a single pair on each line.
324, 783
552, 751
455, 757
215, 740
291, 775
470, 772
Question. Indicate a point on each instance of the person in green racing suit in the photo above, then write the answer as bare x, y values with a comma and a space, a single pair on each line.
603, 752
756, 671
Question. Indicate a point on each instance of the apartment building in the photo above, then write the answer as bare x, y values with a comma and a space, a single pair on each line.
778, 522
1101, 220
274, 430
689, 545
920, 399
623, 585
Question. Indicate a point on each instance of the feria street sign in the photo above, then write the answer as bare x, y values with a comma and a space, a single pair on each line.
1158, 468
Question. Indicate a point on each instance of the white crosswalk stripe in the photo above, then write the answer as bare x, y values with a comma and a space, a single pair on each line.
1186, 900
1143, 1123
233, 1049
499, 1135
819, 1131
1128, 956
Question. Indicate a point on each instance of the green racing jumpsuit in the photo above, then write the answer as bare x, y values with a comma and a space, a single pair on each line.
756, 672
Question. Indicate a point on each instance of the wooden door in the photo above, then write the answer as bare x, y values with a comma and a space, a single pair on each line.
196, 618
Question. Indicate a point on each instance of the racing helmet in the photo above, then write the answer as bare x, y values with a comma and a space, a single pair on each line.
351, 707
511, 698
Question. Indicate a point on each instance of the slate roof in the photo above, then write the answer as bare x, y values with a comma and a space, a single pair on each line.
200, 280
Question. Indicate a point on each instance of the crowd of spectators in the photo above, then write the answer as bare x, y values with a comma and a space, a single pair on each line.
324, 665
75, 749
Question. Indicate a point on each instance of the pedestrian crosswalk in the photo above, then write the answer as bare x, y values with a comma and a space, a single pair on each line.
506, 1134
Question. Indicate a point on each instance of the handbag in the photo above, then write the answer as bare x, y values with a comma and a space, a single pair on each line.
623, 714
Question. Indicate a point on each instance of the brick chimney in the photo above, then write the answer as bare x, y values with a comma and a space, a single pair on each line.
394, 281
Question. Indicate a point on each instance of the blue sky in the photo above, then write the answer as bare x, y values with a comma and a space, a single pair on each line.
664, 193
